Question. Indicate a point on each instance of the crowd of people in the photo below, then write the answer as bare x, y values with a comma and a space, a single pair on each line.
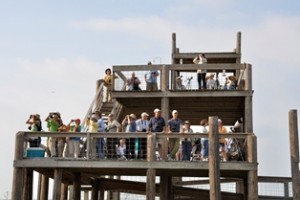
184, 148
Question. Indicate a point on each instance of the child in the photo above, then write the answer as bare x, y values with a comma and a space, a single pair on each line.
120, 149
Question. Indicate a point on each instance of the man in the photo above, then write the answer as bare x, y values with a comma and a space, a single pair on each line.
141, 126
151, 79
133, 82
157, 124
174, 126
100, 141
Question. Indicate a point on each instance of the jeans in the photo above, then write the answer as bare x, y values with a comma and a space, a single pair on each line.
186, 150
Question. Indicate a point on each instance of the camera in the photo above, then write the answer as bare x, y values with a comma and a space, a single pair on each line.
190, 78
237, 125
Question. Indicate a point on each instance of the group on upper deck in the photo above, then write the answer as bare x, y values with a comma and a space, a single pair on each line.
123, 148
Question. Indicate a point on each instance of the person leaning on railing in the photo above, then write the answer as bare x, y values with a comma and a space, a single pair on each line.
157, 124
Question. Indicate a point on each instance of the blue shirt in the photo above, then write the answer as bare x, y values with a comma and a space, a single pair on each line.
156, 124
101, 125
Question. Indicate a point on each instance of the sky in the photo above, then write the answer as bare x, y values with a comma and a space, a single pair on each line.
52, 53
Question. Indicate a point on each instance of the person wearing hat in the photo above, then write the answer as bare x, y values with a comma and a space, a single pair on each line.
141, 126
186, 143
157, 124
174, 126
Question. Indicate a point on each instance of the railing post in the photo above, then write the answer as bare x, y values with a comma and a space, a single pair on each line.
294, 152
57, 184
88, 145
252, 190
18, 172
214, 161
151, 173
164, 78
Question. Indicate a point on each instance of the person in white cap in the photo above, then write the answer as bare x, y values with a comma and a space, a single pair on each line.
141, 126
174, 126
157, 124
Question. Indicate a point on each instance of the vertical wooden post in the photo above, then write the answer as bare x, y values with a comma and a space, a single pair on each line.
57, 184
18, 172
28, 184
151, 173
64, 193
294, 151
86, 195
163, 151
166, 187
214, 161
150, 185
252, 180
239, 186
39, 186
248, 121
95, 190
173, 77
77, 185
71, 192
44, 188
164, 78
88, 145
238, 43
173, 43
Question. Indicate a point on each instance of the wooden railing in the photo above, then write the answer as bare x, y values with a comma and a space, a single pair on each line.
152, 138
168, 73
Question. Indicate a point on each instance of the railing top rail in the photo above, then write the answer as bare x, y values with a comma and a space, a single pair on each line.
130, 135
213, 66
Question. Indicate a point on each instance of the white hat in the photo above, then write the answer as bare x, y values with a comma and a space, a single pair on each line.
144, 113
174, 111
156, 110
132, 116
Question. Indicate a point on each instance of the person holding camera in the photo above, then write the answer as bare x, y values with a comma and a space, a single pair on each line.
201, 73
151, 79
133, 82
53, 123
112, 126
129, 123
35, 124
74, 142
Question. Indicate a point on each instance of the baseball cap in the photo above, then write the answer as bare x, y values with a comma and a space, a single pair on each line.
156, 110
144, 113
174, 111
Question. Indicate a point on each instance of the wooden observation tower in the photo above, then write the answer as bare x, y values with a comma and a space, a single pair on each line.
102, 179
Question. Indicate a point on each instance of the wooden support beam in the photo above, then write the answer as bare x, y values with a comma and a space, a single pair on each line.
252, 182
44, 188
77, 185
294, 152
18, 172
214, 161
57, 184
28, 184
165, 114
64, 192
165, 187
95, 190
150, 184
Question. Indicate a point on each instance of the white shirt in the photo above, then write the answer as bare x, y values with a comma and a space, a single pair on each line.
141, 125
